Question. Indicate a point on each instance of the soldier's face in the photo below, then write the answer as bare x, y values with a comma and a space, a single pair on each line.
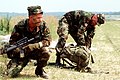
36, 19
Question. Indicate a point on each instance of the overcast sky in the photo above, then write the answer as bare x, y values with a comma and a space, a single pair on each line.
20, 6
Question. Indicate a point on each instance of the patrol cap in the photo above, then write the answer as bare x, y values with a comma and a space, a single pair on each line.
101, 18
32, 10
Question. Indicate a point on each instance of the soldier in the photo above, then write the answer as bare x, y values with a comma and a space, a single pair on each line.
81, 26
37, 49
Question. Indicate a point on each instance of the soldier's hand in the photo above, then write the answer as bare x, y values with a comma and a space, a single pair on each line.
17, 50
31, 47
59, 50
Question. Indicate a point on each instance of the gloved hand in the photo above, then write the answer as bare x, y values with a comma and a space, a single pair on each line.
34, 46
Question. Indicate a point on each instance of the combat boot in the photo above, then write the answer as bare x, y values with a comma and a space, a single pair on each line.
57, 63
41, 73
44, 75
89, 70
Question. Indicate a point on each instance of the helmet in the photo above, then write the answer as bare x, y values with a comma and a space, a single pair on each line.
101, 19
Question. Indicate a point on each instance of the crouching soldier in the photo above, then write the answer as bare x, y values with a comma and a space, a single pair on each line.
37, 49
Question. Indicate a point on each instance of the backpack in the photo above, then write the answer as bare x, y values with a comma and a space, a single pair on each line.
79, 56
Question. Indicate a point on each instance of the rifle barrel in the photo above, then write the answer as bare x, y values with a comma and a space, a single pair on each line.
10, 48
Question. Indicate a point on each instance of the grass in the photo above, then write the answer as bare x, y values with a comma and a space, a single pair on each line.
106, 52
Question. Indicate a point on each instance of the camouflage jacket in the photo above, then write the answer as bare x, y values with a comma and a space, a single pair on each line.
85, 21
77, 18
22, 30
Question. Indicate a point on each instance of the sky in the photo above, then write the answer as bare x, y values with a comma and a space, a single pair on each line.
20, 6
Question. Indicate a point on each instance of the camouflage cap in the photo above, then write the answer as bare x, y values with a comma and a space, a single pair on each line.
101, 18
32, 10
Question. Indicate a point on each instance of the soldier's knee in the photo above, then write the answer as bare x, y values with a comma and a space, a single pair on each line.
48, 56
45, 49
45, 56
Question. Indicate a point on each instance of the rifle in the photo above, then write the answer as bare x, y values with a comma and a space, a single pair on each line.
19, 44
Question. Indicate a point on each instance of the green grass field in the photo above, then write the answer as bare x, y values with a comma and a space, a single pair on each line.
106, 52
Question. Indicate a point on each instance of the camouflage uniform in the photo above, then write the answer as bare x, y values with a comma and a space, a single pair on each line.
80, 25
41, 55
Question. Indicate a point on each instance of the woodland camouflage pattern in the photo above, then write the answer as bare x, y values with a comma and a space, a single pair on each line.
78, 55
34, 10
74, 23
80, 25
16, 64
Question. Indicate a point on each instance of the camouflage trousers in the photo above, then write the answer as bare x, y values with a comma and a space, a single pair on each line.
80, 56
15, 65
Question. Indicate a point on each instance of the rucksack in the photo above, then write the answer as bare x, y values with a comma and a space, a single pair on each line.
79, 56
